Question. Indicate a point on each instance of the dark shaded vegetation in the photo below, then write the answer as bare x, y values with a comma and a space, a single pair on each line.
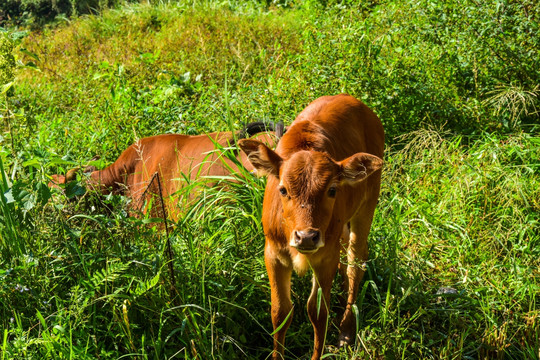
37, 13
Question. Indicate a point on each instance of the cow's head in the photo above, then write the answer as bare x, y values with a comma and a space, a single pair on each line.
61, 179
71, 175
309, 184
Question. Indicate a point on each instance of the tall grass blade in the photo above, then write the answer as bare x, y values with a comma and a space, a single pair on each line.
283, 322
319, 301
4, 344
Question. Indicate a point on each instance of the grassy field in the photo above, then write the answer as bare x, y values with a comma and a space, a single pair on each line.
454, 270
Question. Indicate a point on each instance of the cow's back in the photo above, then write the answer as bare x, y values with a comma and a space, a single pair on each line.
177, 158
339, 125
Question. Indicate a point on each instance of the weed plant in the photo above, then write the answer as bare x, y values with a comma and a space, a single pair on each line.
454, 247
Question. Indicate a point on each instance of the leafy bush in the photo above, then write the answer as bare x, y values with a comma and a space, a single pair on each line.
415, 63
418, 62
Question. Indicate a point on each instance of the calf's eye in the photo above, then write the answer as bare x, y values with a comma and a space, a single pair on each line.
283, 191
332, 192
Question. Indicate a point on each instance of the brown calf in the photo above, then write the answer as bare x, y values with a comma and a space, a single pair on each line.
176, 158
323, 177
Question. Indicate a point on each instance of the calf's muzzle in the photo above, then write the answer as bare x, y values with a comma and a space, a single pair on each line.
306, 241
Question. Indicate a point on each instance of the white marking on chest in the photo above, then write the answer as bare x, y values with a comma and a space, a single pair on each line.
300, 264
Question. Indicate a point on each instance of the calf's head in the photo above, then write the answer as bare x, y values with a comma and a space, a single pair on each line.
310, 183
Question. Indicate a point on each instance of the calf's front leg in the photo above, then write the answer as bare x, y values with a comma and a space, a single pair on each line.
280, 286
357, 255
323, 275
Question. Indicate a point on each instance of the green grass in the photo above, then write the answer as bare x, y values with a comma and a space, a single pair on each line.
450, 216
465, 218
454, 248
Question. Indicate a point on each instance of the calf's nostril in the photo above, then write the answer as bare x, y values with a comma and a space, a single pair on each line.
315, 237
297, 237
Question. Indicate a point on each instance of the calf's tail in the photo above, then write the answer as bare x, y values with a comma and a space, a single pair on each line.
261, 126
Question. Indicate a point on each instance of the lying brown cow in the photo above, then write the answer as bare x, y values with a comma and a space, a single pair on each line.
176, 158
323, 177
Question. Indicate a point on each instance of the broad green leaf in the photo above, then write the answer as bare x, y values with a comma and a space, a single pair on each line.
43, 193
31, 162
8, 196
74, 189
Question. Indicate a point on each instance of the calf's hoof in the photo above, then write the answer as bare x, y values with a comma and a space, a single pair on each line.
345, 340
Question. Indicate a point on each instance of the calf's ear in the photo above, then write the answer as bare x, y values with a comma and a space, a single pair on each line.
263, 159
72, 174
359, 166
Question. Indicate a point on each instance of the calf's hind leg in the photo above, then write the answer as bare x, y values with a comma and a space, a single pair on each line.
357, 255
